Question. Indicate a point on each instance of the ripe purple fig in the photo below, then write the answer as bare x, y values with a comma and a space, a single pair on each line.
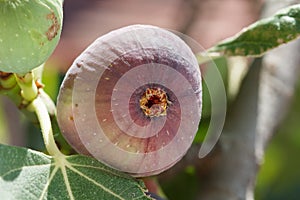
132, 100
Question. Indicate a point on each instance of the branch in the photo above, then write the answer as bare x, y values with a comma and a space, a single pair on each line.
278, 79
229, 172
234, 166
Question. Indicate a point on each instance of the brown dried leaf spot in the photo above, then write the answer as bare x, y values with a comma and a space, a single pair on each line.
54, 28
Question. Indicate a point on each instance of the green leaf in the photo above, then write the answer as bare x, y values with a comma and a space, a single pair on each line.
27, 174
263, 35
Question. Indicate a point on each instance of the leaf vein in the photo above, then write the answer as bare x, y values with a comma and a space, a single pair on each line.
21, 168
66, 180
48, 182
101, 169
96, 183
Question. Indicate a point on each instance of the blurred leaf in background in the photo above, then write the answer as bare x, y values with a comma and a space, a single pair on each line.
3, 125
51, 79
182, 186
279, 177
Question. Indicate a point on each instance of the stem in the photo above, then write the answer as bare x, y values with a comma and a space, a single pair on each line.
7, 80
38, 106
29, 90
10, 88
48, 102
154, 187
22, 89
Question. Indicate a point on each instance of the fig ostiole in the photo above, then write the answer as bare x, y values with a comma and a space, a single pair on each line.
29, 33
132, 100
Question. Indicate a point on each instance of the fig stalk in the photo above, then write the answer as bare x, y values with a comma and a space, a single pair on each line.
29, 90
38, 106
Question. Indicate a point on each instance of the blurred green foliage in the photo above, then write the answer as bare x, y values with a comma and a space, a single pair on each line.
182, 186
3, 127
279, 177
221, 64
51, 79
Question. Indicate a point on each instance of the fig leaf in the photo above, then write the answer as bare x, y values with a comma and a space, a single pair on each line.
27, 174
264, 35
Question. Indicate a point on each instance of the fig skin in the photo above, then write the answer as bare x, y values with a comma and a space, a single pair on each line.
102, 90
65, 115
29, 33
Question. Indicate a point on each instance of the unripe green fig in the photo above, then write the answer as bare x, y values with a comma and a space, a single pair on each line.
29, 32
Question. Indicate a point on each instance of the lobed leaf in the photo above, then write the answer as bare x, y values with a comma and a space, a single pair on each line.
263, 35
26, 174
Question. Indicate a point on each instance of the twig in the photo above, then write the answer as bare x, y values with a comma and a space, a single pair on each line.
41, 111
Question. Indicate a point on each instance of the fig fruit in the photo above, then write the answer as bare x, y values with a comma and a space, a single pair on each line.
30, 30
132, 100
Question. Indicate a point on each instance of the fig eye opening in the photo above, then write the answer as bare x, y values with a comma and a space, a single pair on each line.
154, 102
